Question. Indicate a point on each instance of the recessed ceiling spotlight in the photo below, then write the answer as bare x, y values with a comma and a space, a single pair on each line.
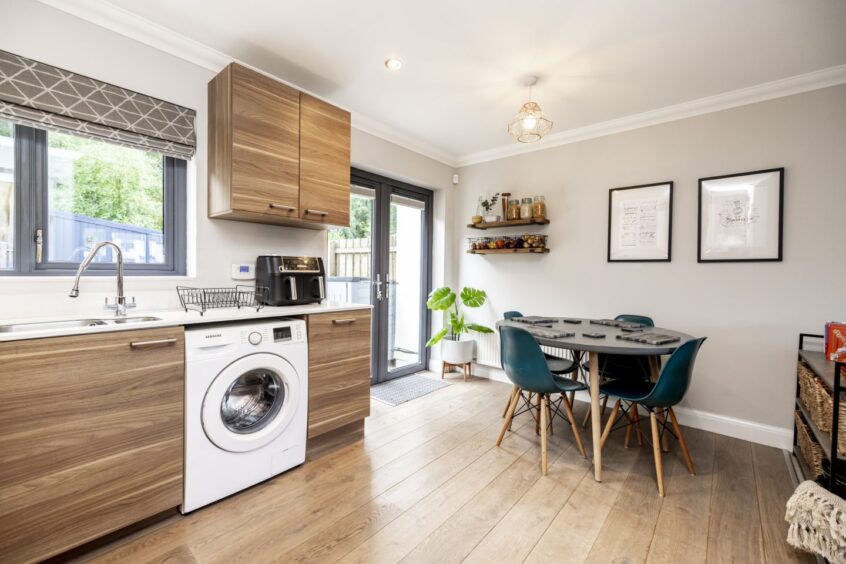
393, 64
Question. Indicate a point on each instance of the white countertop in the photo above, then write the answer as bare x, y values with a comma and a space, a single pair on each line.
171, 318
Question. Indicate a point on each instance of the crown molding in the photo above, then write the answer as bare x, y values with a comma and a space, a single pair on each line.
798, 84
123, 22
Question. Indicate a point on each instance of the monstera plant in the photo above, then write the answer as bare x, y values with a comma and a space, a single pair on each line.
453, 349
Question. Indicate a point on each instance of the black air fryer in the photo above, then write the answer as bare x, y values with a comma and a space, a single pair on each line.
291, 280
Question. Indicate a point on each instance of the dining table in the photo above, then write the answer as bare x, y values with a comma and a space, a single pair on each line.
575, 339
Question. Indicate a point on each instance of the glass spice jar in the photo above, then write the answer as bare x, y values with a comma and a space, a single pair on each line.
539, 208
513, 209
526, 208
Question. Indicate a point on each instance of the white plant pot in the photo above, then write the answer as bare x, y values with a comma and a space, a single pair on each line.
491, 218
457, 352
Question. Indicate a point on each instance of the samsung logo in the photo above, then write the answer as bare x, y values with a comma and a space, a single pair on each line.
213, 335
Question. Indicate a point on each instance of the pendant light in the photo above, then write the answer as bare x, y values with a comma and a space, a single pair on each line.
530, 124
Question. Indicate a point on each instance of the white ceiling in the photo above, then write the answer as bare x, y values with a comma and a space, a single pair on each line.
465, 60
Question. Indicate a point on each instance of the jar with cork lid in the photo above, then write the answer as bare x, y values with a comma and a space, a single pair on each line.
526, 208
539, 208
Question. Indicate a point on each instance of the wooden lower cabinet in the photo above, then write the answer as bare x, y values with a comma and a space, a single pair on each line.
91, 441
338, 370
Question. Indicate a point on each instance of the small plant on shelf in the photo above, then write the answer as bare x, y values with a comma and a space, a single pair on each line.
488, 206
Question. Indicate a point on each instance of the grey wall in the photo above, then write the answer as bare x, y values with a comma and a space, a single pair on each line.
751, 313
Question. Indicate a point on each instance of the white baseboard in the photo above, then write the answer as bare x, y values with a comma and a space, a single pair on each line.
751, 431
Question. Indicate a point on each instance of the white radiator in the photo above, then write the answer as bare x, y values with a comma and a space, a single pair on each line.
487, 350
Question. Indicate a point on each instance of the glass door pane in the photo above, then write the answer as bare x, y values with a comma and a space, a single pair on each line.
405, 280
350, 267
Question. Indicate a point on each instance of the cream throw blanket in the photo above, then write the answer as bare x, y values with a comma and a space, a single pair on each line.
817, 522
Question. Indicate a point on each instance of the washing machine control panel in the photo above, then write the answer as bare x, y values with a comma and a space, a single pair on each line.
255, 338
281, 334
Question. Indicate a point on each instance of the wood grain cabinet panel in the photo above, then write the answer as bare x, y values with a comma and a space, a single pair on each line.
339, 393
336, 336
92, 437
339, 370
253, 147
324, 162
276, 155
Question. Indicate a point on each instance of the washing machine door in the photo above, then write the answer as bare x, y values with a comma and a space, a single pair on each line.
251, 402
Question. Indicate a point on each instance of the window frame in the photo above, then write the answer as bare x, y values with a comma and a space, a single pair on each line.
31, 201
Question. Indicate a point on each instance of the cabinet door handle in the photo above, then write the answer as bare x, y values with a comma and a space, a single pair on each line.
317, 212
151, 344
273, 206
347, 321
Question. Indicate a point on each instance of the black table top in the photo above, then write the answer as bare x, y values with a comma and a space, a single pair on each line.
610, 344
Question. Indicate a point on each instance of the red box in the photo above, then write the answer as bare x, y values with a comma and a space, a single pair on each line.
835, 341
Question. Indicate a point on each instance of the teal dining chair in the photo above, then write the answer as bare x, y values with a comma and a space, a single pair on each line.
624, 366
526, 367
658, 399
556, 366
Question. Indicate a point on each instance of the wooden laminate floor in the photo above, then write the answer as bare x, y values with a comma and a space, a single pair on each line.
427, 484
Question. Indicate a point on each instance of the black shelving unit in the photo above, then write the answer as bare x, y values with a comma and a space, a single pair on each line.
831, 374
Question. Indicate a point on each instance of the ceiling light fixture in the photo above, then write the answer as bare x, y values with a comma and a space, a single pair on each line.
393, 64
530, 124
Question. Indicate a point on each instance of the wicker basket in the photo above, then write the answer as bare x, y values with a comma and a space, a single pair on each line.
818, 400
812, 452
808, 393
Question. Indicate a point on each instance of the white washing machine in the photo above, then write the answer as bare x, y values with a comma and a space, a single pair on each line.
246, 406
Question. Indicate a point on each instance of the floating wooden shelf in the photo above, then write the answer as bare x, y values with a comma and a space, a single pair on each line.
507, 251
512, 223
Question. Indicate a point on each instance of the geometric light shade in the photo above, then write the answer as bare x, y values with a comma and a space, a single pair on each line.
530, 124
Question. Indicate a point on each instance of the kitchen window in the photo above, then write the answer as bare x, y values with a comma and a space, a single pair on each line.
60, 194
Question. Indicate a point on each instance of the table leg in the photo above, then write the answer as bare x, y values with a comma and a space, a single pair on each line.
595, 416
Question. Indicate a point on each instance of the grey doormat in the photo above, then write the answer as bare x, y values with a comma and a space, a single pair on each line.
405, 389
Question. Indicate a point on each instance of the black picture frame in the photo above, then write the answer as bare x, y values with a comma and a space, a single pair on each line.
669, 221
780, 253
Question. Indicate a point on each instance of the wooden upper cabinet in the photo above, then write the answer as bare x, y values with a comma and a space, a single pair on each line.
259, 130
324, 162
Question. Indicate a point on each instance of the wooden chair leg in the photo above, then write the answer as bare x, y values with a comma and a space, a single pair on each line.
604, 405
610, 423
688, 460
510, 399
509, 415
629, 426
466, 371
568, 407
544, 401
656, 451
586, 420
538, 418
549, 416
636, 411
665, 444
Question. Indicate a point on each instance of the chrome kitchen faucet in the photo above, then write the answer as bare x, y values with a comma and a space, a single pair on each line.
120, 304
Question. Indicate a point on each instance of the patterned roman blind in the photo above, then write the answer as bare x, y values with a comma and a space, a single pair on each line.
46, 97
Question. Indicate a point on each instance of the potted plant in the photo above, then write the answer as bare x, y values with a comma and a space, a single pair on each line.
488, 205
453, 349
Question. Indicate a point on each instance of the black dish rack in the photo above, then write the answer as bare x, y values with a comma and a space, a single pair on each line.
202, 299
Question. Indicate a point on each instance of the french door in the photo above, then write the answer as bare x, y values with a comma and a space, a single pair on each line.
384, 258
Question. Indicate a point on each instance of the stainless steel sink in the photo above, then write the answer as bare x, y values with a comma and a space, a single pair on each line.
72, 324
50, 325
126, 320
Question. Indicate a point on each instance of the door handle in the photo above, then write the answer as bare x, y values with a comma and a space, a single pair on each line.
378, 284
317, 212
39, 245
321, 288
273, 206
151, 344
347, 321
